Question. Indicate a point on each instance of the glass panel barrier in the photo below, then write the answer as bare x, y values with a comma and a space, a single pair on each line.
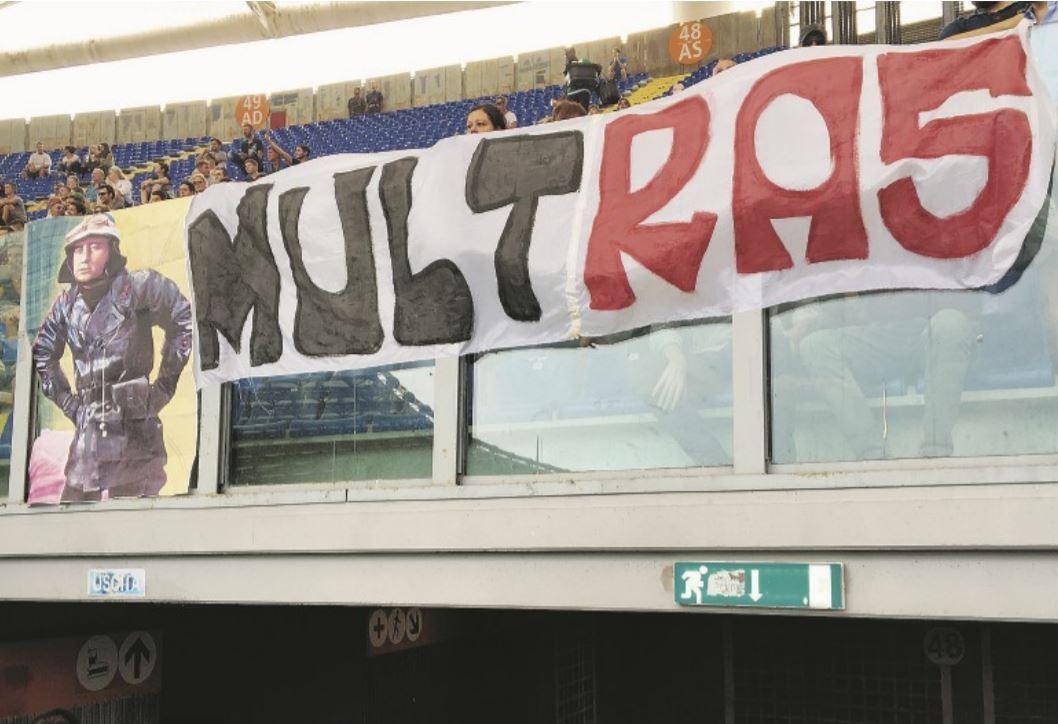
650, 400
919, 374
373, 424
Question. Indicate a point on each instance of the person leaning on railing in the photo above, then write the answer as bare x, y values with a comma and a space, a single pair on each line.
992, 17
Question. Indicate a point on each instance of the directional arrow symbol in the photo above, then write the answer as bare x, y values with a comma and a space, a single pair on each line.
138, 654
754, 586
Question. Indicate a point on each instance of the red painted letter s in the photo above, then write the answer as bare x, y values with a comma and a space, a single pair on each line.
913, 83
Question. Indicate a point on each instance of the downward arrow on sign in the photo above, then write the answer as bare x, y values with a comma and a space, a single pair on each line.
754, 586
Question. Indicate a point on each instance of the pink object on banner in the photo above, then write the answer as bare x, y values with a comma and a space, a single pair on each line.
47, 466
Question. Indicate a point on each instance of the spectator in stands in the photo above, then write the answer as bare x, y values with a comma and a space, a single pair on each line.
185, 189
75, 206
12, 208
357, 104
618, 70
623, 104
990, 17
374, 99
198, 183
276, 158
582, 79
157, 196
56, 206
594, 110
98, 179
722, 65
249, 146
565, 109
302, 153
158, 182
99, 156
205, 164
74, 185
62, 192
219, 175
485, 118
108, 199
1042, 13
813, 35
253, 171
39, 164
121, 184
508, 115
216, 150
70, 161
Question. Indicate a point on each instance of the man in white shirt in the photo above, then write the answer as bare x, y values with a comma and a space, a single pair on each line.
512, 120
39, 164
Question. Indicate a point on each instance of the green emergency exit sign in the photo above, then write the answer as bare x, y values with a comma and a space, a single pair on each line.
761, 585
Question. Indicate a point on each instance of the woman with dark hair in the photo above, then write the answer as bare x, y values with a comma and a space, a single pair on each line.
301, 153
70, 162
565, 109
485, 118
75, 206
106, 156
185, 189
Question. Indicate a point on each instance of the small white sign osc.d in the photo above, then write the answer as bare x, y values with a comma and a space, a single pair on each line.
117, 582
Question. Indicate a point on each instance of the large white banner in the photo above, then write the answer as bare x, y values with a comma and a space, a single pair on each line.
804, 173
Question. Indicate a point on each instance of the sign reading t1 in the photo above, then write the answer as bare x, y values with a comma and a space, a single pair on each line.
761, 585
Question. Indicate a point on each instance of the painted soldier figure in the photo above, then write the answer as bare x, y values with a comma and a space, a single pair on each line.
106, 317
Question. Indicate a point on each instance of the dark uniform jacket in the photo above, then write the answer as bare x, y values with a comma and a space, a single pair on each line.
118, 436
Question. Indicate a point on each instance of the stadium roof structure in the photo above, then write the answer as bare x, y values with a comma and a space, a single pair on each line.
94, 32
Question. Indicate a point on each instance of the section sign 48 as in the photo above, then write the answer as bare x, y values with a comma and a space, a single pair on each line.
761, 585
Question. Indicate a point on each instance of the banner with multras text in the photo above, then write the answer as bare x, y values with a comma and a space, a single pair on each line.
805, 173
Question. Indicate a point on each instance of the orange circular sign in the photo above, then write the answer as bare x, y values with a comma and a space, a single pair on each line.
690, 43
253, 110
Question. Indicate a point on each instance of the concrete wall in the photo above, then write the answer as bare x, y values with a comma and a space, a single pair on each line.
89, 128
299, 105
222, 123
13, 136
332, 100
139, 124
54, 131
428, 87
649, 52
489, 78
396, 91
185, 120
534, 70
453, 83
599, 51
